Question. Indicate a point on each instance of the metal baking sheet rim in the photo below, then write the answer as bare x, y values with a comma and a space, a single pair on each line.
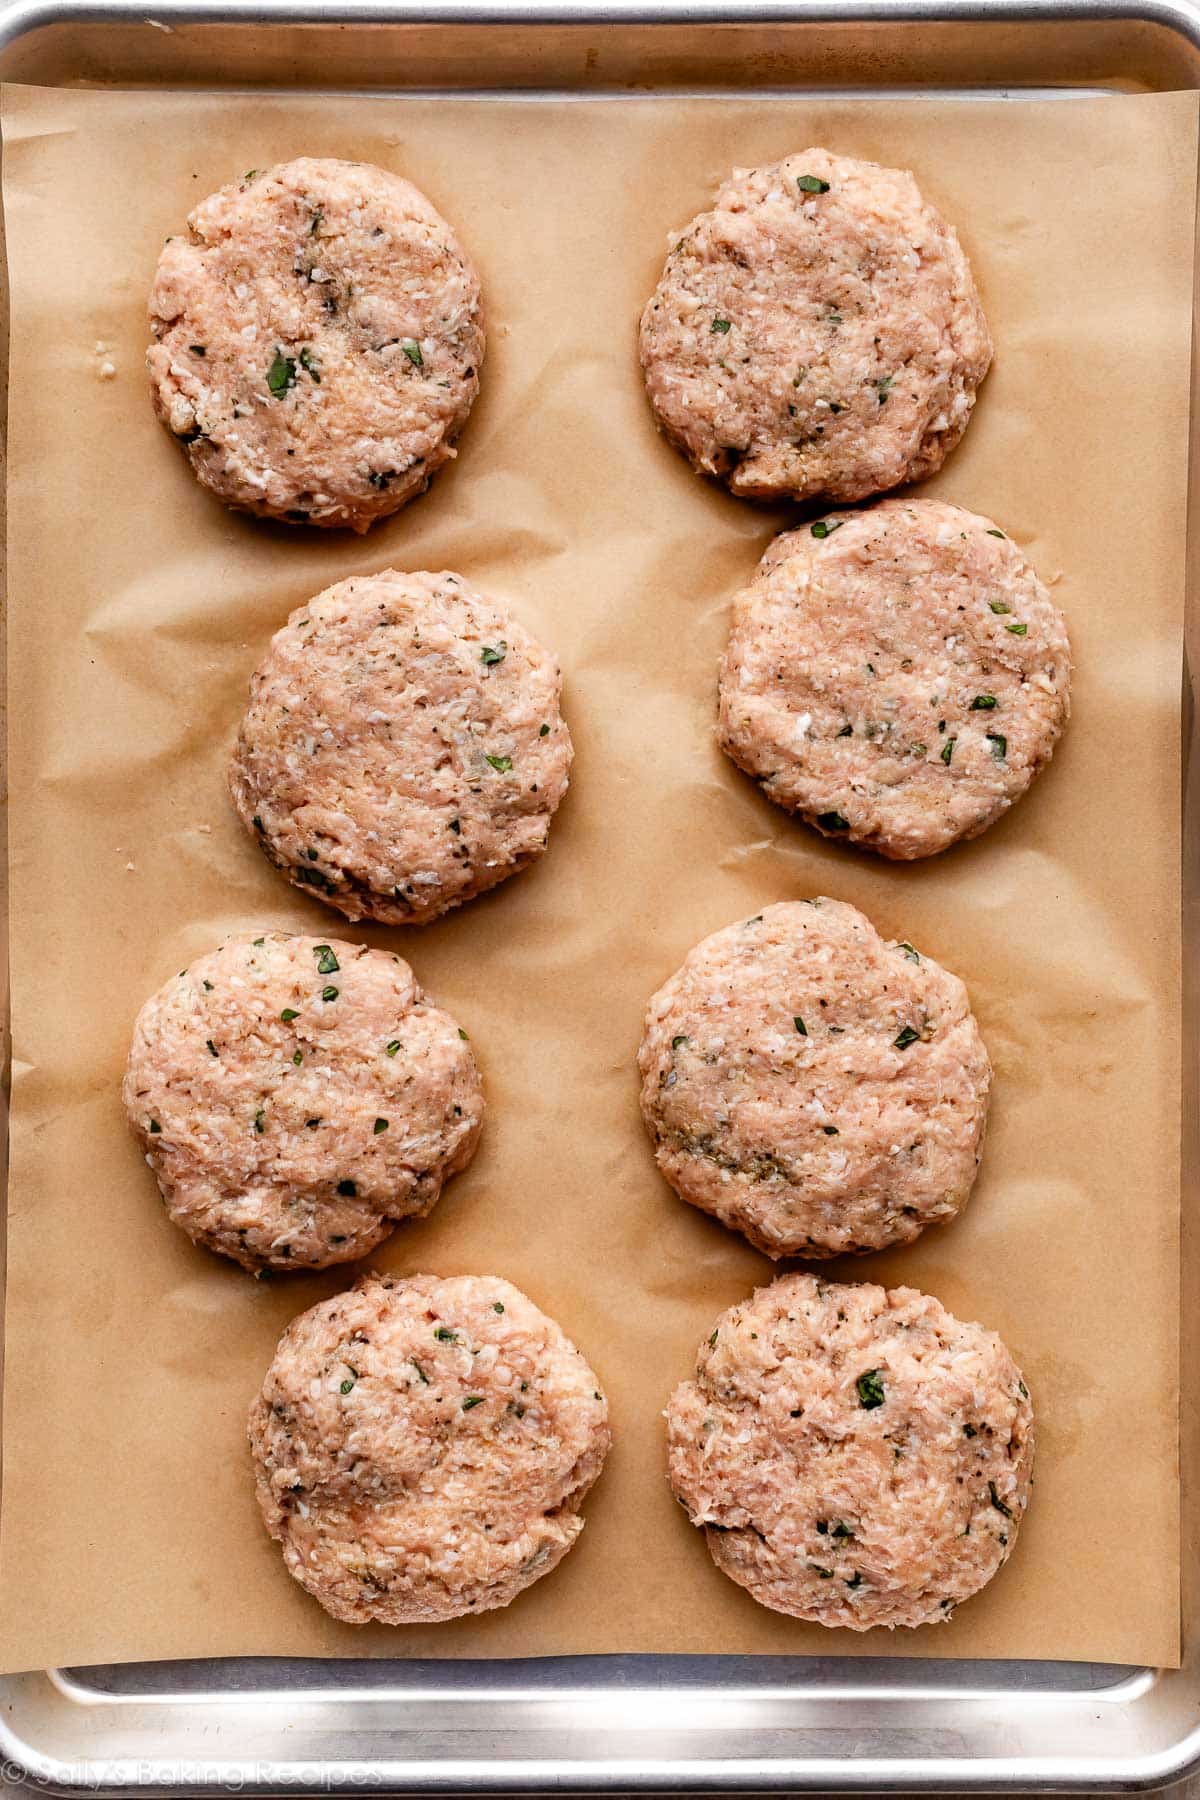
637, 1724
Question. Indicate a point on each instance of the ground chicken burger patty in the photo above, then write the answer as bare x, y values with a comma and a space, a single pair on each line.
422, 1446
898, 676
298, 1097
817, 333
317, 342
855, 1456
814, 1086
403, 749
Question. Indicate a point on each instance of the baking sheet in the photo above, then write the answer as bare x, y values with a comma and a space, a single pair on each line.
138, 609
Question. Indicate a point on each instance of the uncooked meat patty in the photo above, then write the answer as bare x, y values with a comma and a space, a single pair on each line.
403, 749
814, 1086
854, 1456
898, 676
817, 333
297, 1097
317, 342
422, 1446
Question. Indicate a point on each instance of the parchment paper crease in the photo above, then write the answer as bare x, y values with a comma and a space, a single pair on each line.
138, 610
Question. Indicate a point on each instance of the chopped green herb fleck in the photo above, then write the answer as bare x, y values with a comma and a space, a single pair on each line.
841, 1530
212, 1048
823, 528
870, 1390
444, 1335
259, 942
288, 1014
1017, 630
347, 1189
249, 175
493, 653
313, 877
831, 1131
997, 1502
969, 1431
420, 1371
462, 1034
258, 1120
983, 703
846, 731
681, 1039
721, 325
825, 1574
1024, 1391
908, 950
310, 365
857, 1581
498, 1306
393, 1046
154, 1127
832, 821
329, 993
1000, 606
327, 962
412, 350
812, 184
282, 374
297, 1058
347, 1385
380, 1125
208, 987
992, 532
801, 1027
544, 731
907, 1036
999, 745
712, 1340
472, 1400
882, 388
502, 764
948, 749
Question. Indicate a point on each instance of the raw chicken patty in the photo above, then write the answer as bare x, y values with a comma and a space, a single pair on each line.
898, 676
422, 1446
403, 748
817, 333
297, 1097
317, 342
817, 1088
855, 1456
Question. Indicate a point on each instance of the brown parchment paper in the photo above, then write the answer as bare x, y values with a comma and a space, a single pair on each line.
138, 609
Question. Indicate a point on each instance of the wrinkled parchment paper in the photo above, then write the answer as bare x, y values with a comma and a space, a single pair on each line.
138, 609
